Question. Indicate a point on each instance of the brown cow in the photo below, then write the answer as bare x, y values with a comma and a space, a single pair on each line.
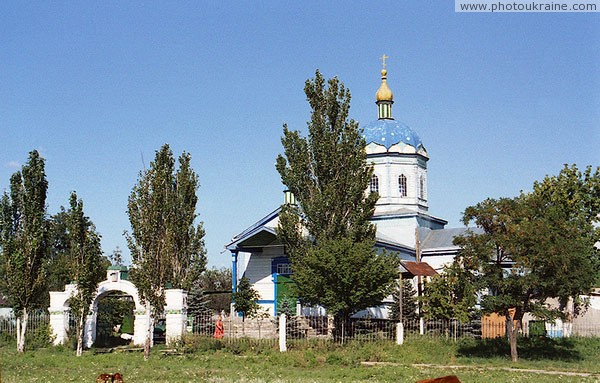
443, 379
104, 378
110, 378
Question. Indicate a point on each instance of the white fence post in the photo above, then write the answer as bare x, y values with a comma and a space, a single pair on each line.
421, 326
399, 333
282, 333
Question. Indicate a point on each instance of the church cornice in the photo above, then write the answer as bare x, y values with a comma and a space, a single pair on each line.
396, 154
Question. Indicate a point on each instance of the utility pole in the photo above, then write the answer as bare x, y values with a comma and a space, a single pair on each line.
419, 280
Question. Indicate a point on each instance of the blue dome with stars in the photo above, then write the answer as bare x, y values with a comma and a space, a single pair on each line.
387, 132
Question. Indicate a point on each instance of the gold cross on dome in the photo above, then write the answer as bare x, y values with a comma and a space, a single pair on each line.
383, 58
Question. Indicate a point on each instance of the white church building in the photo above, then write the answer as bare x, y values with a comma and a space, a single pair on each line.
404, 224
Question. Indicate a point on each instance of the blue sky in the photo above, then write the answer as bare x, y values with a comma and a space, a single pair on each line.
499, 100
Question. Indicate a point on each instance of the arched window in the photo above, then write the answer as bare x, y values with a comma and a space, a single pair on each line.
402, 185
374, 184
422, 187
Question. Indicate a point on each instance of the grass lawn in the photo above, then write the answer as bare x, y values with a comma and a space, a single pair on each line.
207, 360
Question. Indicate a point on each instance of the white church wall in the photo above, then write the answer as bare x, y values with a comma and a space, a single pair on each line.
259, 274
388, 169
400, 229
437, 262
243, 259
258, 271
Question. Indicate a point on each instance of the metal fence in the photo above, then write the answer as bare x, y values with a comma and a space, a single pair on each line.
311, 328
323, 328
36, 319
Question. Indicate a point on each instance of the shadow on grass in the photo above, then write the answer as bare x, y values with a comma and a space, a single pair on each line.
534, 348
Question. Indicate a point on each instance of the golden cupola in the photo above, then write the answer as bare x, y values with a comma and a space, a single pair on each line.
384, 96
384, 93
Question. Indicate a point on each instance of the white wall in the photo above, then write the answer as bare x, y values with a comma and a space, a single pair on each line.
258, 271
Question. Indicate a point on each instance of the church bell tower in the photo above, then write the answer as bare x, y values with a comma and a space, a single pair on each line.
398, 156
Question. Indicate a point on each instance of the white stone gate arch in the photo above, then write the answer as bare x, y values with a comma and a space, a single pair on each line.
117, 280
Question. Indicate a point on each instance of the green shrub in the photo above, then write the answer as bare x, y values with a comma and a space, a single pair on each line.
197, 343
250, 346
41, 337
537, 328
7, 339
127, 326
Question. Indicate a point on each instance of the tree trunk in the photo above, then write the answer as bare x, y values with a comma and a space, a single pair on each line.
80, 328
21, 330
18, 332
148, 343
512, 337
512, 330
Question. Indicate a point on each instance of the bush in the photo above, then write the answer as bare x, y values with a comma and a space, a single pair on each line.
250, 346
41, 337
127, 326
197, 343
7, 339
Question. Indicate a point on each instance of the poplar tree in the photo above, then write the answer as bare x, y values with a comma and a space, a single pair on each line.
24, 241
85, 260
327, 234
167, 247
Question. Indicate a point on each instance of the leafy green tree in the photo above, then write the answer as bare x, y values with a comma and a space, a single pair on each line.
536, 246
24, 241
335, 265
116, 258
86, 261
344, 276
57, 267
450, 295
167, 247
211, 292
245, 299
409, 302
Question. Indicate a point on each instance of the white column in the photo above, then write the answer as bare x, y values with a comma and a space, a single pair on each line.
140, 327
59, 313
89, 334
59, 323
175, 314
399, 333
282, 333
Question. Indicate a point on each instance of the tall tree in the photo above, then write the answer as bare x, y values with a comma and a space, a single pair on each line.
536, 246
86, 261
450, 295
328, 236
24, 241
58, 269
167, 247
